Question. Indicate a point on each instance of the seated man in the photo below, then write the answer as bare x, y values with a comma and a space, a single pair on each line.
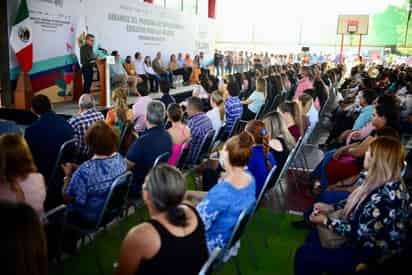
158, 67
154, 142
199, 124
46, 135
86, 117
119, 76
166, 98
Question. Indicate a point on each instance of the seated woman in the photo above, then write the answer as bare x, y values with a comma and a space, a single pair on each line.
173, 240
120, 114
372, 221
179, 131
341, 163
23, 241
281, 141
292, 115
87, 187
234, 192
217, 113
261, 159
255, 101
19, 180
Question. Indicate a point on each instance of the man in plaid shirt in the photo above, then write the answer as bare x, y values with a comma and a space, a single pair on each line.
233, 107
199, 124
82, 121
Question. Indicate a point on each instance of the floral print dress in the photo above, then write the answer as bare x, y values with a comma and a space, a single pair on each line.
380, 221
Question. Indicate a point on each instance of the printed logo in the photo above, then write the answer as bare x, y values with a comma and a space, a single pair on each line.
24, 34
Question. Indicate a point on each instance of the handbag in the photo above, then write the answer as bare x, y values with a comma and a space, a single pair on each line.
327, 237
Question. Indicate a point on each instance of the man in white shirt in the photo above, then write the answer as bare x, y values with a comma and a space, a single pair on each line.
139, 64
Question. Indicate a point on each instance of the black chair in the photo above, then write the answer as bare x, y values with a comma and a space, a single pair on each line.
68, 153
201, 151
211, 262
127, 137
183, 153
238, 127
259, 114
161, 158
54, 222
113, 208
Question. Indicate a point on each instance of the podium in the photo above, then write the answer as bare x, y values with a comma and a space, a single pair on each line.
23, 92
103, 67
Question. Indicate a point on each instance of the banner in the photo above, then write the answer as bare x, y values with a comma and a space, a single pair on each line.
123, 25
129, 26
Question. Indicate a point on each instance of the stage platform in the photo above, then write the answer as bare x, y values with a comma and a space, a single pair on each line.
68, 109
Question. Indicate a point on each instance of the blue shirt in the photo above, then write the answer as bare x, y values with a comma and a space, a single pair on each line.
9, 127
91, 183
221, 208
233, 112
45, 137
145, 150
257, 166
364, 117
199, 125
258, 101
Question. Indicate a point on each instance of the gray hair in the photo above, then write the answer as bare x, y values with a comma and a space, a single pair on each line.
156, 113
166, 187
87, 101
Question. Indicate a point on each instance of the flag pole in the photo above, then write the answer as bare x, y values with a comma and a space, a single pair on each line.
6, 92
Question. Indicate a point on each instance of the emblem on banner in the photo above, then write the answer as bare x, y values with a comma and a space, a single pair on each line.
24, 34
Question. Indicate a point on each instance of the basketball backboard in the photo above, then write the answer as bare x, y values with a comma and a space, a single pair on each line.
353, 24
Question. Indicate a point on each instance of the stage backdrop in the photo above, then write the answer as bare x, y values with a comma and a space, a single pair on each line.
123, 25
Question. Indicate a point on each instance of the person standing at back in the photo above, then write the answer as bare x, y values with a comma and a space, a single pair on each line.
88, 60
46, 135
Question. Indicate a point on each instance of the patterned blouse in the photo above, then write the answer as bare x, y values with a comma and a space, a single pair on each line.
91, 183
220, 209
380, 221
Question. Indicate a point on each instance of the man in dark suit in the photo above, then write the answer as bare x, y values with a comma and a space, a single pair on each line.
46, 135
88, 60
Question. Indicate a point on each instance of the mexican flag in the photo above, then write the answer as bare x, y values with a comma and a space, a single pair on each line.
20, 39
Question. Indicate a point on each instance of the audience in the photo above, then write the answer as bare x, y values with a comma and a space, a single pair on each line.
173, 240
19, 180
166, 98
120, 114
292, 115
46, 135
86, 188
199, 124
372, 222
261, 160
342, 163
217, 113
86, 116
234, 192
233, 107
139, 109
255, 101
151, 144
23, 241
179, 132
